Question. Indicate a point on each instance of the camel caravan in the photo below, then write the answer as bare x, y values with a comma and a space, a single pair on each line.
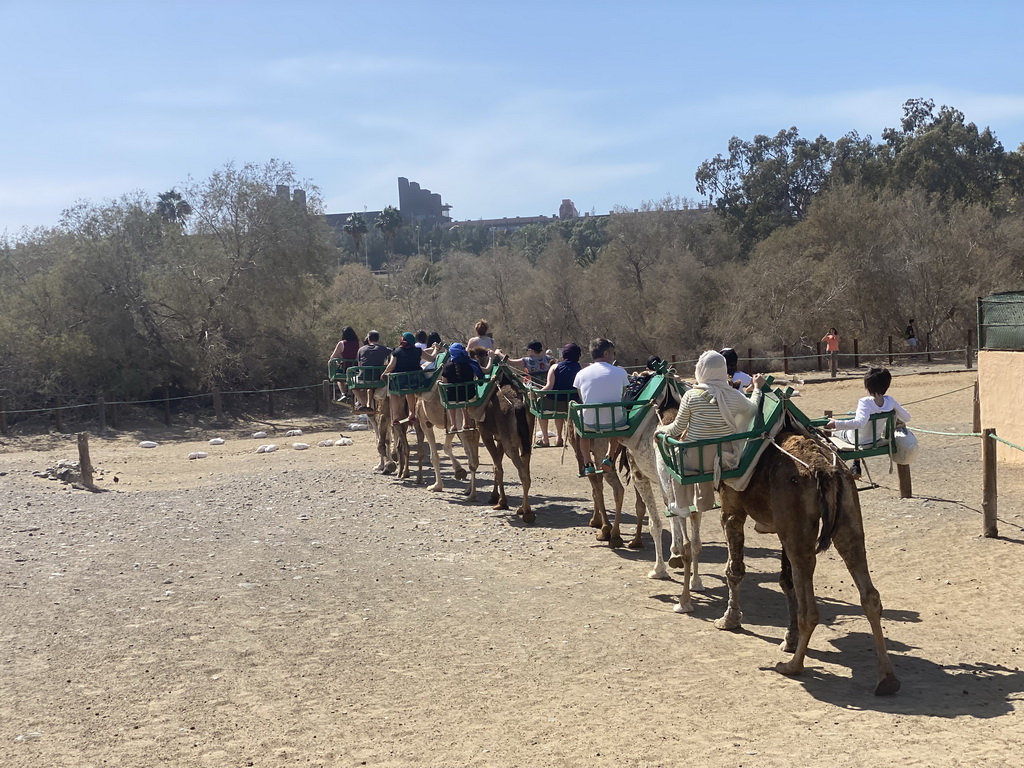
685, 449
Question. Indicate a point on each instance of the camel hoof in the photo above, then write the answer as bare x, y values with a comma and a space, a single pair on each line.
659, 574
727, 623
789, 644
436, 487
887, 686
635, 544
696, 584
676, 561
528, 516
389, 469
461, 474
595, 522
615, 542
502, 505
788, 668
683, 608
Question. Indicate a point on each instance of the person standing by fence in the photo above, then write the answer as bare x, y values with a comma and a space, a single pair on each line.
911, 336
831, 341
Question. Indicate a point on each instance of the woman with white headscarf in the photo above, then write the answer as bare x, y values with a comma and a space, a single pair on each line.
712, 409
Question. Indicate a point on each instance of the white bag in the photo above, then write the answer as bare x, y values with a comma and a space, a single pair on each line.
906, 447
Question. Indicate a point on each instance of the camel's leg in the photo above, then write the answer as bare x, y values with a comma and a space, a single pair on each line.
599, 519
471, 445
682, 496
643, 486
457, 468
497, 451
522, 465
435, 459
849, 543
619, 493
641, 509
679, 541
732, 524
800, 552
786, 582
695, 549
420, 446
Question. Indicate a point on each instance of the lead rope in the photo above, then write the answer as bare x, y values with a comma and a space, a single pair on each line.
794, 458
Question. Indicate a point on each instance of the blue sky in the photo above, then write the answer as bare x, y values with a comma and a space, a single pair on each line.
503, 108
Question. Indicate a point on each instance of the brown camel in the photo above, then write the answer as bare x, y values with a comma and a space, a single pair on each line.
810, 500
506, 427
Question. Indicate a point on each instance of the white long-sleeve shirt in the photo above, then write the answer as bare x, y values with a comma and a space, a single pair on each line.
866, 408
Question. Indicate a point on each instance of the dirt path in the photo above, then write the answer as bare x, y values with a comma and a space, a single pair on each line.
295, 609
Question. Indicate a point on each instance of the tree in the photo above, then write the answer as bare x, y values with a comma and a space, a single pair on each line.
172, 208
943, 155
766, 183
355, 227
389, 222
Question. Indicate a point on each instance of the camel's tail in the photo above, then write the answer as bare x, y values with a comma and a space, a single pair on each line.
830, 488
523, 427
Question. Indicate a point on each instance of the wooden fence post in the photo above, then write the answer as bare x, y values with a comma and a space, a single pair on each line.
218, 405
989, 498
785, 359
102, 406
167, 405
906, 486
3, 417
84, 462
890, 350
817, 355
977, 407
928, 346
970, 345
856, 354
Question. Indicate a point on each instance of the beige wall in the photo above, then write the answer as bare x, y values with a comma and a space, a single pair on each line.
1001, 383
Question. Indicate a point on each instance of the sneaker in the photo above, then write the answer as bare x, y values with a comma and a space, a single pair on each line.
588, 470
855, 469
607, 463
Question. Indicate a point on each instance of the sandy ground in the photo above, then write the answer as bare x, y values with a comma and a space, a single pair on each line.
296, 609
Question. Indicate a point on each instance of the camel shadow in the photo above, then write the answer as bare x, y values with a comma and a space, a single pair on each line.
930, 689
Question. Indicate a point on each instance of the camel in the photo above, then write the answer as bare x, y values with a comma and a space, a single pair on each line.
506, 427
431, 414
810, 500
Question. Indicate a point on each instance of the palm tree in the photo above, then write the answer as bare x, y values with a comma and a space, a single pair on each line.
388, 222
172, 208
355, 227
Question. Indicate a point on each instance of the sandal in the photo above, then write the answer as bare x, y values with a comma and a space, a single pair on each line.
539, 444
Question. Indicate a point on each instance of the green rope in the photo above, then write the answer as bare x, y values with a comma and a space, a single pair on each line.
948, 434
1006, 442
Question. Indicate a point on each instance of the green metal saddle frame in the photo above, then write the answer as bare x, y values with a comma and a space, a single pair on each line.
470, 394
772, 408
417, 382
550, 403
364, 376
336, 370
620, 419
882, 427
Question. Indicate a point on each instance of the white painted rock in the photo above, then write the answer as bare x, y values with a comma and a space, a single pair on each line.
196, 455
217, 441
258, 435
343, 441
325, 443
300, 446
293, 433
358, 427
147, 444
266, 448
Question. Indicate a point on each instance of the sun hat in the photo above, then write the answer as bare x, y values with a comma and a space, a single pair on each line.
535, 345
